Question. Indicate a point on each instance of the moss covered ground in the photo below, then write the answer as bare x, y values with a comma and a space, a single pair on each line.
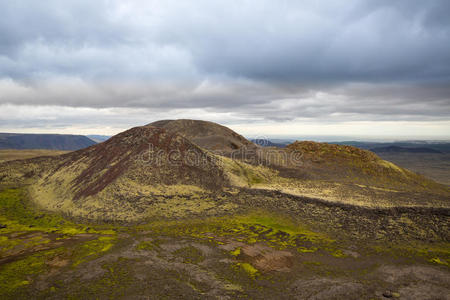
259, 254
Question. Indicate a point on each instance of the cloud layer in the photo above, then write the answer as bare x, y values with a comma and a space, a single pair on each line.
236, 62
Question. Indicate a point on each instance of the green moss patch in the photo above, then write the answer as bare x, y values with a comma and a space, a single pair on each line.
437, 260
113, 284
438, 253
20, 273
12, 245
249, 269
278, 231
18, 214
147, 245
92, 249
190, 255
236, 252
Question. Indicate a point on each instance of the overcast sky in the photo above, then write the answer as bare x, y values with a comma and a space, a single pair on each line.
354, 68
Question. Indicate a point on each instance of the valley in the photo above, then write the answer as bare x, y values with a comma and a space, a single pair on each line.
433, 165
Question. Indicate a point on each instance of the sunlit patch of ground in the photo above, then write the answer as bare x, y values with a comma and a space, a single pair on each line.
12, 154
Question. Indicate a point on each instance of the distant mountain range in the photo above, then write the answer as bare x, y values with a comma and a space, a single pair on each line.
44, 141
270, 143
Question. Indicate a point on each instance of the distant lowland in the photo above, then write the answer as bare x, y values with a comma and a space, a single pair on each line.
377, 147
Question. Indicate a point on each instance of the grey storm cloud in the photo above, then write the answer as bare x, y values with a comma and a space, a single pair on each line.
262, 60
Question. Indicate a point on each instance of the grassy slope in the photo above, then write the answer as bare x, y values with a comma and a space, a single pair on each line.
353, 165
348, 175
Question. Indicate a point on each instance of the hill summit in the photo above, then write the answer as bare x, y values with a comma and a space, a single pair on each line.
208, 135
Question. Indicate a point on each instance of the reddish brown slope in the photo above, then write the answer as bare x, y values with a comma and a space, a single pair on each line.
165, 157
124, 176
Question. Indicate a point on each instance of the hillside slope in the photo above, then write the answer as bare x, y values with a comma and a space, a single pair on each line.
350, 175
121, 178
44, 141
